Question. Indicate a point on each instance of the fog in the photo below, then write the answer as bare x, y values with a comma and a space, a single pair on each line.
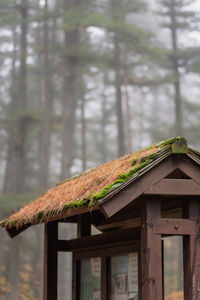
81, 83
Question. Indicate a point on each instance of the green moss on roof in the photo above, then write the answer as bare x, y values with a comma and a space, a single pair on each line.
89, 188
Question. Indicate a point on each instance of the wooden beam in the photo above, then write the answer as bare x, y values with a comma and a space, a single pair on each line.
104, 277
50, 261
174, 187
95, 241
140, 185
191, 252
190, 168
84, 226
175, 226
124, 224
151, 253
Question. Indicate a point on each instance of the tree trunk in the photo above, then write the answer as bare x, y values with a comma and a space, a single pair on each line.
7, 187
70, 100
15, 169
175, 64
126, 95
44, 155
117, 67
103, 124
83, 133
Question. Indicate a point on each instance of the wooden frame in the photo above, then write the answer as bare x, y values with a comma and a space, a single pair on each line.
124, 248
151, 252
145, 228
50, 261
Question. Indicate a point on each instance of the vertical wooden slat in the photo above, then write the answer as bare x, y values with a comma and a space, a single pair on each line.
139, 275
77, 280
74, 276
151, 253
191, 253
50, 261
84, 226
104, 278
83, 229
163, 274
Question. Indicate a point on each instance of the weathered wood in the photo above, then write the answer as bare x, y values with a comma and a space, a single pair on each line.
175, 226
104, 277
50, 261
100, 239
140, 185
124, 224
190, 168
109, 250
191, 251
84, 226
151, 253
76, 282
174, 187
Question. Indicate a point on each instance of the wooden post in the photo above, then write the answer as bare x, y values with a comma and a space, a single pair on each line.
191, 252
50, 261
83, 230
84, 226
151, 252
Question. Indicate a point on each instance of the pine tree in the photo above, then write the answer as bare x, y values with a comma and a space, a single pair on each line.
177, 17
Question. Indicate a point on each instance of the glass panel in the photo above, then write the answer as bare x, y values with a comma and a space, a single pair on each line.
64, 276
95, 230
67, 231
173, 268
90, 279
124, 277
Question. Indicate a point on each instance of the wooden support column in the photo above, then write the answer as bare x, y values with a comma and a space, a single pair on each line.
151, 252
83, 230
50, 261
191, 252
84, 226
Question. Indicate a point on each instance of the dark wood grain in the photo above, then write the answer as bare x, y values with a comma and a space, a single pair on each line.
50, 261
151, 253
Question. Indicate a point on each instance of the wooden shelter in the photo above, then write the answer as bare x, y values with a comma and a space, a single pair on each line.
134, 201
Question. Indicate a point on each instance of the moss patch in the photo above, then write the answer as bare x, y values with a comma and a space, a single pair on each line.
134, 161
180, 146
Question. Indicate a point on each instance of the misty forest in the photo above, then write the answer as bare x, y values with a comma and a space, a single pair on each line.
81, 83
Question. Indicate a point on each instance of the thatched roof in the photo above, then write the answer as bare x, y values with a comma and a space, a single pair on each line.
89, 189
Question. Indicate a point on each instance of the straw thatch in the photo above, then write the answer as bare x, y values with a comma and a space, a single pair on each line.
86, 189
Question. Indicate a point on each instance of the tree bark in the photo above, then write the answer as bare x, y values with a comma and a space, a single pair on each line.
15, 169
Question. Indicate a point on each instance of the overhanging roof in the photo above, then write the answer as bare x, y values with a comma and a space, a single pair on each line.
105, 187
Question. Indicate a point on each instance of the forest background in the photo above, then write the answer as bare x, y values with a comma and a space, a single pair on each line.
83, 82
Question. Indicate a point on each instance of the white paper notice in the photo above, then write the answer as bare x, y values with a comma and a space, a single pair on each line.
133, 273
